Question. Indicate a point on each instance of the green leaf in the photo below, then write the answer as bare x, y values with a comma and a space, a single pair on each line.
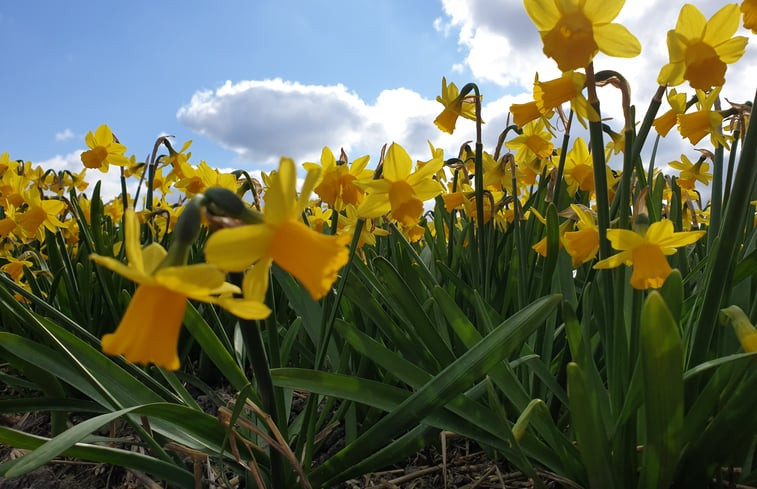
662, 367
590, 435
123, 458
445, 386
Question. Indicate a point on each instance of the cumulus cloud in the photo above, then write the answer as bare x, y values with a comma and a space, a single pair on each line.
262, 120
65, 135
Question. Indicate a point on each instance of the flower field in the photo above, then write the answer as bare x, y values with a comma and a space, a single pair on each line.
574, 308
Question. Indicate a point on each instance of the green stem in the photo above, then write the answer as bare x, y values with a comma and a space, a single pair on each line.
598, 158
720, 270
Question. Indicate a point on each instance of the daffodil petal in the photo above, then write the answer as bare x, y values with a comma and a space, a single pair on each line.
722, 25
397, 163
235, 249
616, 40
116, 266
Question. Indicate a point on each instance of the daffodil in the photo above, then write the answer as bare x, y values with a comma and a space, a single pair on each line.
666, 121
568, 88
646, 252
525, 113
103, 150
696, 125
195, 181
583, 243
691, 172
454, 106
701, 49
574, 31
400, 192
40, 214
311, 257
336, 186
749, 9
579, 168
535, 143
149, 330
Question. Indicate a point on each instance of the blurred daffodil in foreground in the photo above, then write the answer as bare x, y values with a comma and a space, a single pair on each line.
454, 106
311, 257
574, 31
149, 330
646, 252
700, 49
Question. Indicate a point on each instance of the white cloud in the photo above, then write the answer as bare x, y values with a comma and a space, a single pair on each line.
262, 120
65, 135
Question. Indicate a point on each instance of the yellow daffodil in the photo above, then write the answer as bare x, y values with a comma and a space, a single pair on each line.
749, 9
400, 192
691, 172
646, 253
568, 88
311, 257
454, 107
701, 49
579, 168
535, 143
8, 223
149, 330
40, 215
336, 186
696, 125
574, 31
582, 245
525, 113
103, 150
195, 181
15, 268
666, 121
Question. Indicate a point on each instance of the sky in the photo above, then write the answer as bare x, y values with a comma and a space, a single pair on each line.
251, 81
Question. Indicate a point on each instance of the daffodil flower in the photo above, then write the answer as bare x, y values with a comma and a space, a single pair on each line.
666, 121
691, 172
454, 107
103, 150
336, 185
568, 88
646, 252
312, 257
583, 243
701, 49
149, 330
574, 31
400, 192
749, 9
696, 125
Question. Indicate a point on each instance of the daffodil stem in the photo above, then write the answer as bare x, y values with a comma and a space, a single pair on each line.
724, 253
731, 164
479, 180
256, 353
643, 132
563, 154
716, 195
598, 158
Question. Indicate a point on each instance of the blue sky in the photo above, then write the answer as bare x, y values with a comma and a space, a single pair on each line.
249, 81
